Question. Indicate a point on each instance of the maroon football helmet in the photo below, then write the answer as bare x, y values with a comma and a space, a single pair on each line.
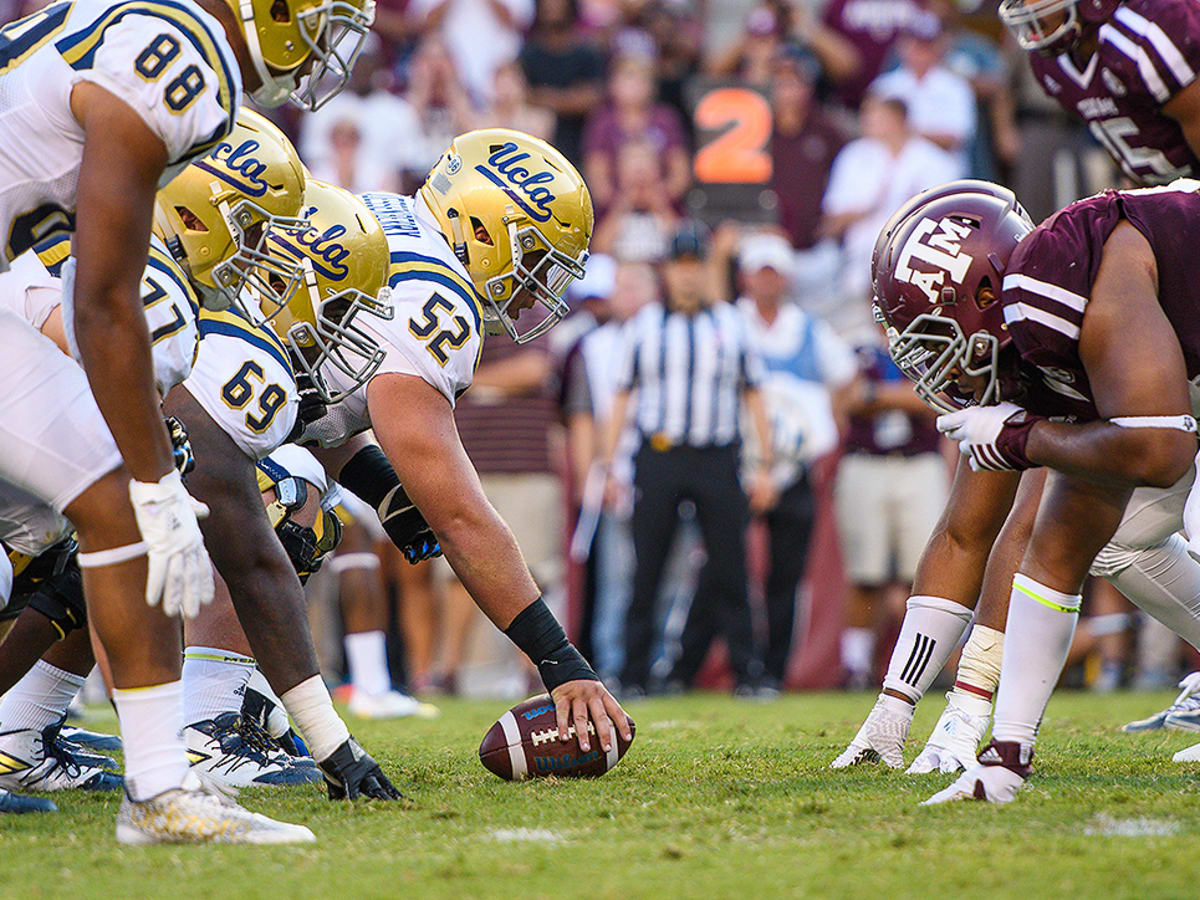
936, 273
1026, 19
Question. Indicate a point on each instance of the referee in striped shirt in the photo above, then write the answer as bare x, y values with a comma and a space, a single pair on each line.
687, 367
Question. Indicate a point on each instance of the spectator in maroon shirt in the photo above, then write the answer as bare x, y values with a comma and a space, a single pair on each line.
871, 27
804, 142
633, 114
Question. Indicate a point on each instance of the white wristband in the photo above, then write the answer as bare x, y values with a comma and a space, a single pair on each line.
1179, 423
112, 556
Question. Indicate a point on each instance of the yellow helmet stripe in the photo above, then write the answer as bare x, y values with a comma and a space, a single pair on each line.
80, 49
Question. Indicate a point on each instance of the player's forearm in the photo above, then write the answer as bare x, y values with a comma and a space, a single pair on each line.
1107, 454
114, 346
484, 555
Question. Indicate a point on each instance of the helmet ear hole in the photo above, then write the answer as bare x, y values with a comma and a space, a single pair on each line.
985, 296
190, 220
481, 232
280, 12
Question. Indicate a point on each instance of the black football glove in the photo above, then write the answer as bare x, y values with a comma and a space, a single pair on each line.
350, 771
311, 407
181, 448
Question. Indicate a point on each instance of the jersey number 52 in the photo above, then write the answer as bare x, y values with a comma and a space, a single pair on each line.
436, 335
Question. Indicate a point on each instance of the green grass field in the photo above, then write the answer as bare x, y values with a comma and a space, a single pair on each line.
716, 798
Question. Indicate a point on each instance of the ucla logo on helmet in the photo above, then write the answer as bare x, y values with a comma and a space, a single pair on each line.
324, 252
525, 188
453, 164
239, 167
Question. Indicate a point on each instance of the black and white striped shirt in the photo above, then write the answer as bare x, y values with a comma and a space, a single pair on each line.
689, 373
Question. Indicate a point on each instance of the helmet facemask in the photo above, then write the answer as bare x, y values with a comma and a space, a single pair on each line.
268, 275
323, 29
933, 352
546, 279
1024, 18
333, 24
333, 340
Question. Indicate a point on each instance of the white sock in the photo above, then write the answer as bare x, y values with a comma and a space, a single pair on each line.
929, 633
979, 671
858, 649
151, 732
366, 656
311, 708
214, 682
1165, 582
39, 698
1037, 636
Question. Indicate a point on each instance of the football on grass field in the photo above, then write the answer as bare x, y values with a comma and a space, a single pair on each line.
524, 743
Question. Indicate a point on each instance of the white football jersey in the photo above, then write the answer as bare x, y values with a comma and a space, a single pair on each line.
436, 333
168, 59
32, 289
244, 380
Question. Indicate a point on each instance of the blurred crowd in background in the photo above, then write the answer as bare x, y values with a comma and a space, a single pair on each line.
791, 130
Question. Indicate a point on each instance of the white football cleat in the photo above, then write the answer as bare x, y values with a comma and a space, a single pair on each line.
1188, 754
1182, 715
996, 778
235, 753
881, 737
198, 814
392, 705
42, 761
953, 743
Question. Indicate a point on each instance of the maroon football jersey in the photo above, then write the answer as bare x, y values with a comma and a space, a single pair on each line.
1049, 278
1148, 51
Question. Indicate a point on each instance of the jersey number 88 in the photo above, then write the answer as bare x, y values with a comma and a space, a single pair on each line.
182, 90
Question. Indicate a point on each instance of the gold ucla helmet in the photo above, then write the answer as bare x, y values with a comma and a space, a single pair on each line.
344, 256
282, 35
219, 212
518, 216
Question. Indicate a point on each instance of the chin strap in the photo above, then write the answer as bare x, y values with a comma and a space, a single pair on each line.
1178, 423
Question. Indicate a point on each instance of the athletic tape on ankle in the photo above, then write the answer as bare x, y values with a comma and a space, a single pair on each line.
1179, 423
1047, 596
112, 556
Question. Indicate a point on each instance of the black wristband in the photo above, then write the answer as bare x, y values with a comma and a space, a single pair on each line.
539, 636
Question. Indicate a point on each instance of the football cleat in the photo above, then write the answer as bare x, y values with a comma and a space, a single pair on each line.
234, 752
1001, 771
1182, 715
953, 743
199, 814
392, 705
92, 739
1188, 754
42, 761
267, 715
882, 736
19, 803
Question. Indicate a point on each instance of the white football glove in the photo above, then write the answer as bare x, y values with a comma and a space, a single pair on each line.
180, 571
981, 432
882, 736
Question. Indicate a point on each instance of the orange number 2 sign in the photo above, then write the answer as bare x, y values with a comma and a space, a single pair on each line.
738, 154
